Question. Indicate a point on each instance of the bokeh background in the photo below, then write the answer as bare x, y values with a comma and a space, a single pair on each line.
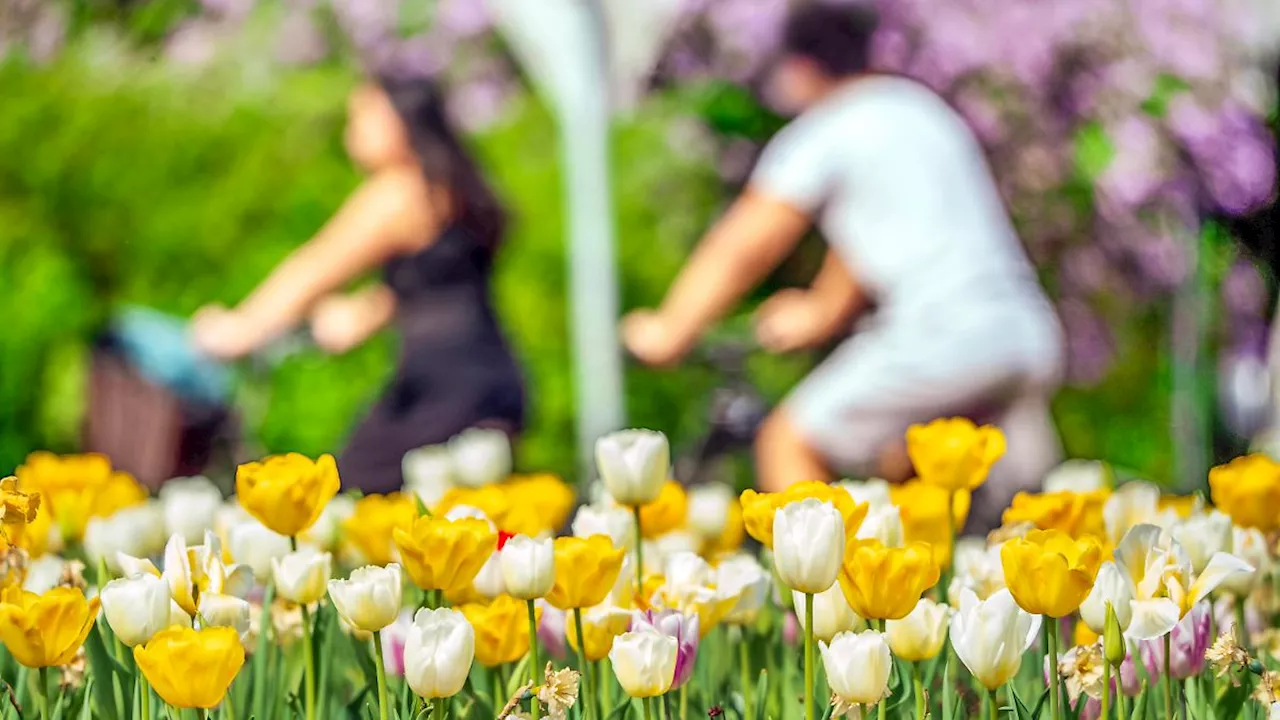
168, 153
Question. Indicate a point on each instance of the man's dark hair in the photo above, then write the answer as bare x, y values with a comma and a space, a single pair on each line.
835, 37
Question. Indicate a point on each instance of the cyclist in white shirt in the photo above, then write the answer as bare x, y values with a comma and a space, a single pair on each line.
950, 318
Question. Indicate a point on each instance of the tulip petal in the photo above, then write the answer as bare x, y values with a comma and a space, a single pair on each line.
1221, 567
1153, 618
1131, 553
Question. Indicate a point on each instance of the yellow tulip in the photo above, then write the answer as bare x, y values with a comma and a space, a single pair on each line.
883, 583
35, 537
287, 493
1184, 505
600, 625
443, 554
45, 630
547, 498
120, 491
489, 499
586, 570
17, 508
190, 668
758, 508
730, 539
1083, 635
75, 488
1074, 513
1248, 489
502, 629
923, 510
1048, 572
666, 513
954, 453
376, 516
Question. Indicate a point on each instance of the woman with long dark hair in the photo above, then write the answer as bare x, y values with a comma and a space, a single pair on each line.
427, 217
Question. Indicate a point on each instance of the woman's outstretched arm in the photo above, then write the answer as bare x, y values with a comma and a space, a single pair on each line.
386, 216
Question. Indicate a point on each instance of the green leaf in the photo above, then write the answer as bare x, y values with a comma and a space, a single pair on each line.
1140, 706
948, 692
1041, 703
1232, 700
1020, 709
102, 666
1094, 151
762, 694
620, 710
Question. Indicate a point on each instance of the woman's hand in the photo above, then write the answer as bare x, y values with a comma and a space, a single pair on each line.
648, 335
793, 319
339, 323
223, 333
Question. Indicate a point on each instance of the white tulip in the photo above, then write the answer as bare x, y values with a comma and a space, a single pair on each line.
668, 544
644, 662
1203, 535
1249, 545
44, 573
978, 568
808, 544
874, 492
131, 566
857, 666
438, 653
228, 516
633, 465
458, 512
1274, 712
136, 608
136, 531
190, 506
614, 521
370, 599
1160, 574
990, 636
253, 544
831, 613
1110, 586
177, 616
489, 582
1078, 476
709, 508
883, 523
1132, 504
685, 569
480, 457
302, 576
921, 634
224, 611
528, 566
428, 472
742, 575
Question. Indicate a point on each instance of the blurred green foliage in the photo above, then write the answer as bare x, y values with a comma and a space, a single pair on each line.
122, 183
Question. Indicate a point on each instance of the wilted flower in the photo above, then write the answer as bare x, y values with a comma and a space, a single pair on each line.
559, 691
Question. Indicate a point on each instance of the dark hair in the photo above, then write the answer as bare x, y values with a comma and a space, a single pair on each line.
835, 37
444, 158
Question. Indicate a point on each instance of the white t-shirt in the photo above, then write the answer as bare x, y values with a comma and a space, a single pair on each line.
903, 193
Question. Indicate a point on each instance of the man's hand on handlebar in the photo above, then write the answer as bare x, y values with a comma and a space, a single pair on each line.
222, 333
794, 319
650, 337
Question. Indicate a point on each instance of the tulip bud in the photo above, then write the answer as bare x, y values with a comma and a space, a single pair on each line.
633, 465
920, 635
742, 575
1113, 645
528, 566
831, 613
258, 547
370, 599
644, 662
808, 545
302, 577
137, 531
480, 457
438, 653
858, 666
136, 608
883, 523
616, 522
489, 582
709, 507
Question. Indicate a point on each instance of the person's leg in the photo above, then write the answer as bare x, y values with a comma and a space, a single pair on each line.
783, 455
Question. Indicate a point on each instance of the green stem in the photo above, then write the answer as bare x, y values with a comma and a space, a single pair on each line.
648, 708
917, 686
1242, 630
144, 696
1106, 691
744, 674
437, 708
1051, 643
1168, 676
228, 704
684, 701
533, 657
635, 510
945, 580
42, 677
604, 678
808, 656
309, 660
993, 707
588, 700
382, 676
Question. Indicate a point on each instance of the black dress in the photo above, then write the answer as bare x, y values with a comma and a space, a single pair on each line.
455, 370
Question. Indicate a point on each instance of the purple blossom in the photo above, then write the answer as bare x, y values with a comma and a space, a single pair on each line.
551, 629
300, 41
394, 638
463, 18
1189, 643
684, 628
